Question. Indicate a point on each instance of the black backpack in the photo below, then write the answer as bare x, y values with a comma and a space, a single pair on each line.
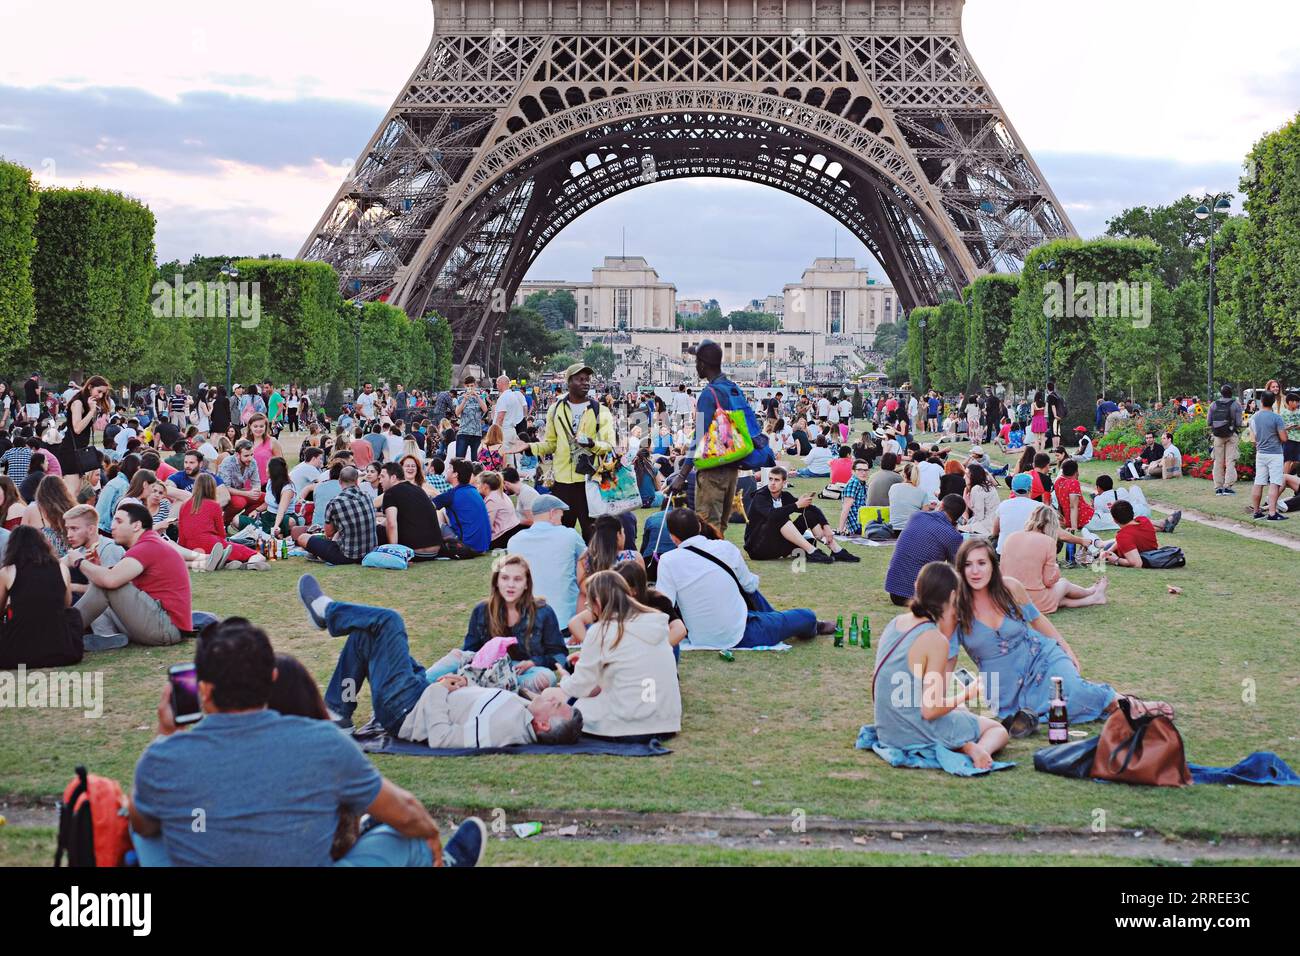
1221, 418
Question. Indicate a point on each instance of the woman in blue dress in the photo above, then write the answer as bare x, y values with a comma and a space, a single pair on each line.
1016, 649
909, 687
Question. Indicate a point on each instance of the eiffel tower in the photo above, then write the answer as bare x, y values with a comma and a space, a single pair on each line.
524, 114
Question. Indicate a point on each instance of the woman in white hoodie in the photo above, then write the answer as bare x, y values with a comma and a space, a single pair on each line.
626, 678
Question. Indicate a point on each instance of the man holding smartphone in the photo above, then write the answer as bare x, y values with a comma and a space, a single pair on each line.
267, 789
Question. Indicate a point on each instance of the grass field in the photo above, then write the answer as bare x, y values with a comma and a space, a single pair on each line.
773, 734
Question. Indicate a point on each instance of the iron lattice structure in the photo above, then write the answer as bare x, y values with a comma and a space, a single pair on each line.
524, 114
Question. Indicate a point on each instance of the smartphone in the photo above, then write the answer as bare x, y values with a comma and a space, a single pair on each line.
185, 693
965, 676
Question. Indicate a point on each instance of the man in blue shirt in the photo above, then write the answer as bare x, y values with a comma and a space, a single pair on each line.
552, 553
468, 530
250, 787
715, 488
929, 536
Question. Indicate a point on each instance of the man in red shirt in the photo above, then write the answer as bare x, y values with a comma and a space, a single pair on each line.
1135, 535
1075, 509
149, 589
1042, 487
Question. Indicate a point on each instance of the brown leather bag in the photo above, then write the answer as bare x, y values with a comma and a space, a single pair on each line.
1140, 744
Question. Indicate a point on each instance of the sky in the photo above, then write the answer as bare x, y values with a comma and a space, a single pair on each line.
236, 122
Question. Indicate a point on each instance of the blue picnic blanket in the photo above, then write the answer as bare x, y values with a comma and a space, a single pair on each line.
382, 743
925, 758
1262, 767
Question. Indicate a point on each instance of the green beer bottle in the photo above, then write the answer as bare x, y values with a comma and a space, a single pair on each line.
853, 632
839, 631
866, 631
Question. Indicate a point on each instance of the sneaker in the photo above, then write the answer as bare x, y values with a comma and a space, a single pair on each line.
93, 643
257, 566
466, 846
214, 558
342, 723
1258, 515
225, 556
825, 628
1218, 492
1172, 522
819, 557
233, 566
844, 556
1277, 517
313, 599
1229, 491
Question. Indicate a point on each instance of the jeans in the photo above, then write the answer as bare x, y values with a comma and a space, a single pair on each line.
766, 628
468, 443
328, 550
377, 648
805, 473
380, 846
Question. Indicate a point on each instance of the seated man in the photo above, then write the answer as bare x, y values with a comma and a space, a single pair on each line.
240, 476
1015, 511
552, 551
709, 582
410, 518
271, 787
180, 484
445, 714
1170, 463
777, 521
148, 590
468, 530
81, 525
929, 536
1106, 496
854, 498
349, 525
525, 494
1136, 534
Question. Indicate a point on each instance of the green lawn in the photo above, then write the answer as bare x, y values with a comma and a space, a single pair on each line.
773, 733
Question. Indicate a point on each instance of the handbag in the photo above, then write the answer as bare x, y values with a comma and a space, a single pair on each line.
727, 439
1141, 745
1068, 760
612, 490
1164, 559
832, 492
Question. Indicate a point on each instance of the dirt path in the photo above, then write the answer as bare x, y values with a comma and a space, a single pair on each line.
957, 841
1230, 525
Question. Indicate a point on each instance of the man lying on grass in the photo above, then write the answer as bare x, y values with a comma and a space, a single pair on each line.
447, 713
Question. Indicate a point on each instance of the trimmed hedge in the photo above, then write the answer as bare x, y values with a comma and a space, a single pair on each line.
301, 301
92, 275
18, 204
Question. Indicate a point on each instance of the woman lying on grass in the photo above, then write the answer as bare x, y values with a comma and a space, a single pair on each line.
913, 708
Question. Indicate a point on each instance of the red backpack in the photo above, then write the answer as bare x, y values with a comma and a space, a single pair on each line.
93, 826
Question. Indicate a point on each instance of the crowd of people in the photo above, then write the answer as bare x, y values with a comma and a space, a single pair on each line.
576, 617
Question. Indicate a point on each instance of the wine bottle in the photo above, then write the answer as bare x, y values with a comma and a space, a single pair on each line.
1058, 718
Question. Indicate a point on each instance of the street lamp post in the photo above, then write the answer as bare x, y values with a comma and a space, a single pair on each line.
361, 311
970, 371
921, 386
231, 275
1212, 208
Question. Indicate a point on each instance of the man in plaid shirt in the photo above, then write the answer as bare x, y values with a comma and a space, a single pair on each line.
349, 525
17, 460
854, 497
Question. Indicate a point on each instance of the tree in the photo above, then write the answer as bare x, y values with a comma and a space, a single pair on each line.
917, 340
600, 358
438, 337
1175, 228
18, 204
991, 298
301, 302
527, 345
385, 343
91, 274
1080, 401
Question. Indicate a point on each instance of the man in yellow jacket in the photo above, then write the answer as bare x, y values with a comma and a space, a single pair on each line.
579, 432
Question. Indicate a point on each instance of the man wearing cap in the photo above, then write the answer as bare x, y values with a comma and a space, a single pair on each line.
552, 551
579, 433
715, 488
1015, 511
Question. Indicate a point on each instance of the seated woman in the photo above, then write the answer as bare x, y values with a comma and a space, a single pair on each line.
953, 479
413, 471
201, 529
45, 513
627, 646
39, 627
12, 504
1029, 556
648, 480
635, 576
607, 547
1016, 647
501, 512
907, 498
910, 686
489, 455
817, 464
281, 496
1024, 466
512, 611
981, 502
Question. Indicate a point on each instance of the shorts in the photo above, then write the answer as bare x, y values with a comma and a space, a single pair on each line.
1268, 469
1291, 451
